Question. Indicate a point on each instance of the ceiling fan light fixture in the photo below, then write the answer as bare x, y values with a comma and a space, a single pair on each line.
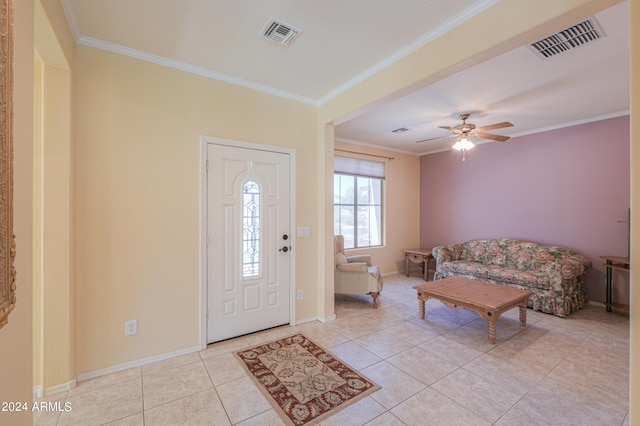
463, 144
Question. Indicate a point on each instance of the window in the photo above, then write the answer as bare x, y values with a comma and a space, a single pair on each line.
357, 201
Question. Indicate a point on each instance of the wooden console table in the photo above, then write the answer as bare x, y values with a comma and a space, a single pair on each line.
418, 255
614, 262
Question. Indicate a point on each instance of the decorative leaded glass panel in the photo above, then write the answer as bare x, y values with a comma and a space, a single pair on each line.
250, 229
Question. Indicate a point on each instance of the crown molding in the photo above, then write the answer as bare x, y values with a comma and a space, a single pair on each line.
193, 69
572, 123
476, 8
72, 19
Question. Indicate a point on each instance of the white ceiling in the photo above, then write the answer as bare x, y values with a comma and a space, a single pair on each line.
343, 42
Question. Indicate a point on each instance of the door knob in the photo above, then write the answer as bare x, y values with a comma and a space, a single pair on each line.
284, 249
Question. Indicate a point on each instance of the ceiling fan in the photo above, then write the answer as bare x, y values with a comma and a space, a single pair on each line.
466, 130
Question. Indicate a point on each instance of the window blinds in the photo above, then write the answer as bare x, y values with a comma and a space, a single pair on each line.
358, 167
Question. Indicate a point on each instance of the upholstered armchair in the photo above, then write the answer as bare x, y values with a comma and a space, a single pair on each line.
355, 274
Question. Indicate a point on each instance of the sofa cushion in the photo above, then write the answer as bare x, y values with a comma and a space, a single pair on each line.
461, 267
528, 278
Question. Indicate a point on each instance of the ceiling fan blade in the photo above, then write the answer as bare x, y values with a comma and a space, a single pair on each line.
493, 126
447, 128
492, 137
433, 139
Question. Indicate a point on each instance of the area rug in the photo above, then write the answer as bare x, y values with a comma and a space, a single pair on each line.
302, 381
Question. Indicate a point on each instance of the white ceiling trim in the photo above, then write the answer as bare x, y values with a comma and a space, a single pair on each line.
448, 25
573, 123
183, 66
378, 147
476, 8
515, 135
72, 19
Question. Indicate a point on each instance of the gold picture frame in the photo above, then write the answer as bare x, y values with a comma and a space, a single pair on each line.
7, 237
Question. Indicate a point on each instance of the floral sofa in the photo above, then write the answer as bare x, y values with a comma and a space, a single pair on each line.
553, 274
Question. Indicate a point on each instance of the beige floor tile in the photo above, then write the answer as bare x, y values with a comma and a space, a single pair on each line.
269, 335
104, 404
396, 385
135, 420
353, 327
359, 413
354, 355
422, 365
432, 408
170, 363
169, 385
267, 418
551, 402
484, 398
515, 378
383, 344
224, 347
325, 336
454, 352
242, 399
411, 332
224, 368
386, 419
44, 416
202, 408
475, 336
106, 380
536, 358
591, 370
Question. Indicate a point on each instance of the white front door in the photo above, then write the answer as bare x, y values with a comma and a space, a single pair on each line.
248, 226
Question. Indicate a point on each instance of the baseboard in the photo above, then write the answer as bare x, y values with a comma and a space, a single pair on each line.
328, 319
40, 392
132, 364
306, 320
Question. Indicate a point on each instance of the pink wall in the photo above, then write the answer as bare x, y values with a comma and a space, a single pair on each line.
567, 187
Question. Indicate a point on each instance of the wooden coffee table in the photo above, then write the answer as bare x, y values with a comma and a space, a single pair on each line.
486, 299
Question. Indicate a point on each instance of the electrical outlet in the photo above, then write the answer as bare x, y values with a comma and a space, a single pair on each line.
131, 327
300, 294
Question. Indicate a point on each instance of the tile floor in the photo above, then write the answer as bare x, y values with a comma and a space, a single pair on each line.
441, 370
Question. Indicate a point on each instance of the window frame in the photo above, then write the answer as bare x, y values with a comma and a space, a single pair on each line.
355, 206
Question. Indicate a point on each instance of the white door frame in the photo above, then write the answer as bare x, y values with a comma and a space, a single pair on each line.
204, 142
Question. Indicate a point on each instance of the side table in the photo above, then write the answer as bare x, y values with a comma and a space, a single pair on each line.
614, 262
418, 255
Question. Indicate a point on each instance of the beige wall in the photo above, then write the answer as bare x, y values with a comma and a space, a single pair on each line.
37, 218
401, 206
635, 211
15, 337
137, 199
52, 238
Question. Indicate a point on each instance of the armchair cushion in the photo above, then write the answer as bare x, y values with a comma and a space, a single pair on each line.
353, 267
341, 259
355, 274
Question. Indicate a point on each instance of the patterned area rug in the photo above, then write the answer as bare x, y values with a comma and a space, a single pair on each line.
302, 381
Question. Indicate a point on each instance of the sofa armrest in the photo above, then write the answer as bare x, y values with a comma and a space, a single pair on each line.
366, 258
447, 253
353, 267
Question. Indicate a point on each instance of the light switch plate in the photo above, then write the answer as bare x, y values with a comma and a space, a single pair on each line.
304, 232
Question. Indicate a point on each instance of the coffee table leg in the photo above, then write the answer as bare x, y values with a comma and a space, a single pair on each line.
421, 308
523, 315
492, 332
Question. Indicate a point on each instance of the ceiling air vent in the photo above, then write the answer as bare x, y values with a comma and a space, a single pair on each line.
577, 35
279, 32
